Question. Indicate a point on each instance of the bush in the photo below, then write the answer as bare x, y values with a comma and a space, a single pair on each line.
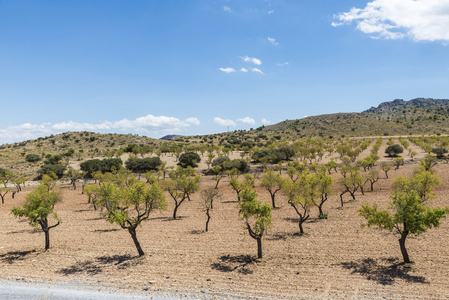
221, 161
32, 158
189, 159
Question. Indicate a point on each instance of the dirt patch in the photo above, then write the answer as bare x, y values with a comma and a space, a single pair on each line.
335, 258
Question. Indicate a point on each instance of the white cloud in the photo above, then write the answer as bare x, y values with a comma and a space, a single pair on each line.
193, 121
253, 60
283, 64
148, 125
265, 121
422, 20
243, 70
224, 122
227, 70
271, 12
247, 120
256, 70
226, 8
272, 41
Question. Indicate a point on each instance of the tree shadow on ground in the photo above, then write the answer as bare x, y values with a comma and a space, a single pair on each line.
31, 231
234, 263
14, 256
384, 270
93, 267
178, 218
106, 230
282, 236
196, 231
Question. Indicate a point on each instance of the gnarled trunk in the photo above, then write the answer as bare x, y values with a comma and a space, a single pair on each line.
132, 231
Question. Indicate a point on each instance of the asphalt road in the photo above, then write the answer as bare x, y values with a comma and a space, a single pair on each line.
27, 290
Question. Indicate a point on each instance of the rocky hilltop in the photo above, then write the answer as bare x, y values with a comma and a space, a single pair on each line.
398, 104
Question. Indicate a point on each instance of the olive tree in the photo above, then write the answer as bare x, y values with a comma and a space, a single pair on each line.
39, 205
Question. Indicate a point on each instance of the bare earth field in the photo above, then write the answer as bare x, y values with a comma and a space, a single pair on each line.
335, 259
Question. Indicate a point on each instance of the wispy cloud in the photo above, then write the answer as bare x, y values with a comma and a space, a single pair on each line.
226, 8
148, 125
271, 12
272, 41
253, 60
421, 20
243, 70
224, 122
227, 70
247, 120
256, 70
283, 64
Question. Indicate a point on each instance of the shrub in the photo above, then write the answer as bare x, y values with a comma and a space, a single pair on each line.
32, 158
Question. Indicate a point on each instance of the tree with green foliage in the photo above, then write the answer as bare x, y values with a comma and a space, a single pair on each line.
428, 162
181, 187
5, 177
39, 205
351, 181
217, 175
257, 216
397, 162
143, 165
129, 206
440, 151
73, 175
372, 176
301, 195
408, 216
386, 167
238, 186
324, 191
394, 150
272, 182
189, 159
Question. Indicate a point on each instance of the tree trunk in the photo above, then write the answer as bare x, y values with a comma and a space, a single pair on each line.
259, 247
403, 249
272, 200
47, 239
132, 231
208, 219
175, 210
320, 209
372, 186
301, 230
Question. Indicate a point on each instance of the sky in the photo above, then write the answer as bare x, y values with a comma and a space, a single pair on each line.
198, 67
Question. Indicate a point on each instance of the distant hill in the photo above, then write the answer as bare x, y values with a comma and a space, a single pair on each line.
170, 137
398, 117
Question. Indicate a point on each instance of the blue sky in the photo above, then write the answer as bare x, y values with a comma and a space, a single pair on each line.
198, 66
